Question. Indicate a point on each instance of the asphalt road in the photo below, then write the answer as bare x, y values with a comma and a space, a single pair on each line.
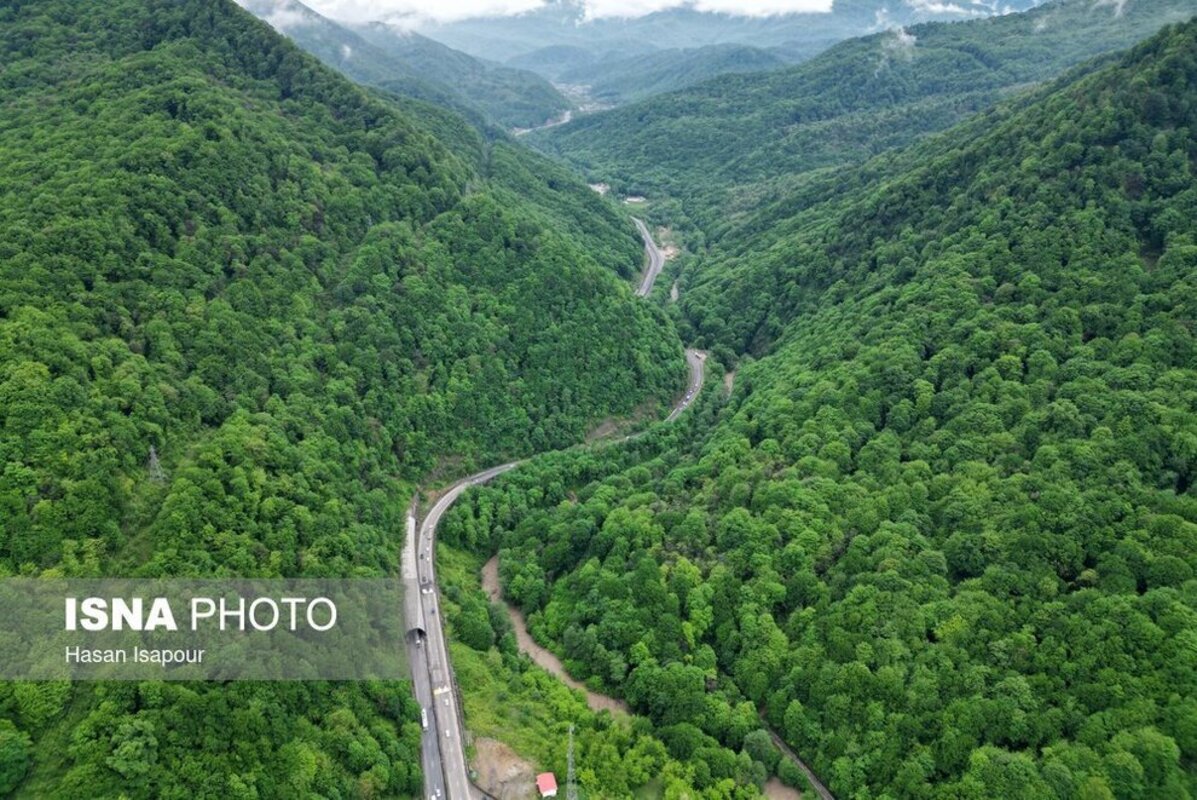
443, 743
553, 123
656, 259
417, 641
696, 359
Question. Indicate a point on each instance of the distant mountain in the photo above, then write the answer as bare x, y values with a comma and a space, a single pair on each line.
556, 60
346, 51
415, 66
563, 22
514, 97
721, 145
625, 80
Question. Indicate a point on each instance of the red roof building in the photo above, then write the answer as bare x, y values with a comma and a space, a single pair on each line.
546, 783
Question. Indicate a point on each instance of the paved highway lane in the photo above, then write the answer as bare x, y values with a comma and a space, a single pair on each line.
697, 360
443, 743
417, 646
656, 259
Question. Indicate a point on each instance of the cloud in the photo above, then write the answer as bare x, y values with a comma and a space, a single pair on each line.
281, 16
408, 12
596, 9
936, 7
898, 43
1118, 5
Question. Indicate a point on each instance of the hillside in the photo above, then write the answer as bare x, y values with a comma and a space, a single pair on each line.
413, 66
512, 97
944, 532
344, 50
722, 147
621, 80
222, 258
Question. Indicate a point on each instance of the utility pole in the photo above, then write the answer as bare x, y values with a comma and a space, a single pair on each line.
571, 787
156, 473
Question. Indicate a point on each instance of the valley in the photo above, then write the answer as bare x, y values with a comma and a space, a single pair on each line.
824, 384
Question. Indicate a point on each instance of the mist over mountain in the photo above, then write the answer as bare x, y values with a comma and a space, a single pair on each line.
797, 36
412, 65
620, 79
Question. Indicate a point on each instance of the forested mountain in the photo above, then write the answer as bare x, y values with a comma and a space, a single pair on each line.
411, 65
513, 97
621, 80
223, 259
723, 146
944, 533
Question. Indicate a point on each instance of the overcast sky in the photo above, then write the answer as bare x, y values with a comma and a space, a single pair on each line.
449, 10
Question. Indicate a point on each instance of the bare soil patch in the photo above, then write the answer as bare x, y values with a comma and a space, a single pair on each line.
502, 773
776, 790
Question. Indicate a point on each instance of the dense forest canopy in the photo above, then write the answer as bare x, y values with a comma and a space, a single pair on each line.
944, 533
243, 305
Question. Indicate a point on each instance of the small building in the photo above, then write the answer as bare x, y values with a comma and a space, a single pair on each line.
546, 784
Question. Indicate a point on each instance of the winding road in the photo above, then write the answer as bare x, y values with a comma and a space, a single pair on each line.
443, 742
565, 117
656, 259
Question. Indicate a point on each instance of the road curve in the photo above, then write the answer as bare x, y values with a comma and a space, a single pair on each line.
656, 259
565, 117
435, 686
443, 741
445, 729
